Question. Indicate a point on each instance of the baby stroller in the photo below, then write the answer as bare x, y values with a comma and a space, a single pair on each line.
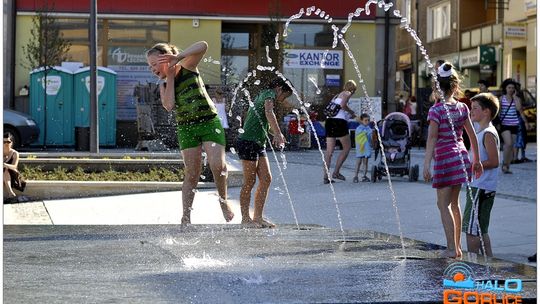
395, 130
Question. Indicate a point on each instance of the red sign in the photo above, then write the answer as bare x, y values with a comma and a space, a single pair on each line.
241, 8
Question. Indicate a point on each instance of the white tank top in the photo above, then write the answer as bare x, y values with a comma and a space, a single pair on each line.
341, 114
488, 180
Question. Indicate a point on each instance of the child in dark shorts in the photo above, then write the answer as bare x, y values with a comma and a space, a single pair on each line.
251, 147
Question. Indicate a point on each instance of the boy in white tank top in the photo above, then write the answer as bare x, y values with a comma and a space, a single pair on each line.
484, 107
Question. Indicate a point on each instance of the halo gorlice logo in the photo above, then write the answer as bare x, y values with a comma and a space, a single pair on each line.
461, 287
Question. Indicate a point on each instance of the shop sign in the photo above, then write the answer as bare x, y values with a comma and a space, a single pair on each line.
127, 56
332, 80
469, 58
530, 7
313, 59
404, 60
482, 55
486, 69
487, 55
515, 30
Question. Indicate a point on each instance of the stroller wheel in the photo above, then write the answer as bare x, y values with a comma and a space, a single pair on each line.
373, 173
416, 171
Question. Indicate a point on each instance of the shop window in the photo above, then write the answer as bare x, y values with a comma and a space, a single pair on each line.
439, 20
235, 41
309, 42
143, 32
121, 47
308, 35
405, 9
237, 52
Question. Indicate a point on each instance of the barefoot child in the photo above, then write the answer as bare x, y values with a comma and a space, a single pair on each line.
448, 168
484, 108
197, 123
363, 139
251, 147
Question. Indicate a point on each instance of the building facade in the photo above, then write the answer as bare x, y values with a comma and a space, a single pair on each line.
468, 33
241, 37
520, 50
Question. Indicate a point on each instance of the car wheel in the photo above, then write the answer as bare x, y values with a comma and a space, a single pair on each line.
14, 135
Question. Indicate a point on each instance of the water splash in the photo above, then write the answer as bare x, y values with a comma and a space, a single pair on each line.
293, 17
325, 165
193, 263
268, 55
314, 81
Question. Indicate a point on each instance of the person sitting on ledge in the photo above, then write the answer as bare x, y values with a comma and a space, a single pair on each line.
11, 160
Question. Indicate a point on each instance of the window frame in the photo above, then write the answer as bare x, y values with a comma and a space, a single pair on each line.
431, 24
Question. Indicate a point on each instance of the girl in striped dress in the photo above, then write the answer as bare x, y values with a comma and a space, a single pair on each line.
449, 170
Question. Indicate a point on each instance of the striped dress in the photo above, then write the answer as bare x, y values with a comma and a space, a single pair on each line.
447, 167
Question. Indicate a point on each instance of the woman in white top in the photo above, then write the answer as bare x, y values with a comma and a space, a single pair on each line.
220, 103
337, 128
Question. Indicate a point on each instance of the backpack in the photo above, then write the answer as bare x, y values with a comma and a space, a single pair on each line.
332, 109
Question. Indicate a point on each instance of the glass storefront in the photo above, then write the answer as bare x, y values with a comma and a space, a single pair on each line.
121, 47
314, 68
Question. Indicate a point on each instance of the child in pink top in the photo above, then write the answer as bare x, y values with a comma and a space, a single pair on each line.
450, 155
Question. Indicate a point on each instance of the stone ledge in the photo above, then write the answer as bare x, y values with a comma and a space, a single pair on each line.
41, 190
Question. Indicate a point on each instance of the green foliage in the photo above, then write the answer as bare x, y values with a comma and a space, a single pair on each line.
59, 173
47, 46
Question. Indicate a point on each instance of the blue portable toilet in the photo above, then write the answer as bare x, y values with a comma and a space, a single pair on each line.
51, 105
106, 91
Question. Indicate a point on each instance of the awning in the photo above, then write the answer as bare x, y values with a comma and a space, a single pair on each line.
482, 55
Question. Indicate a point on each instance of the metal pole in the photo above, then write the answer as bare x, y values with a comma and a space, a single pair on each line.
386, 54
417, 55
94, 123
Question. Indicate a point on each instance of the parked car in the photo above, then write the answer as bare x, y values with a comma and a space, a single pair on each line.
21, 126
529, 109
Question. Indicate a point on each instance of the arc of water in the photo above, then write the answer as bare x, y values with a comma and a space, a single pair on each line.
312, 80
268, 55
325, 165
383, 155
248, 96
296, 16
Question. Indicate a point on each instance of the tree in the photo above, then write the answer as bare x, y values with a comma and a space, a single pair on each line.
46, 46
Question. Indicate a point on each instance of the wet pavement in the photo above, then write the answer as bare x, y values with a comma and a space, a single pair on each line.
227, 264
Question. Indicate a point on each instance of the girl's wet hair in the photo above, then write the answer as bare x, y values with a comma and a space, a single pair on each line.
162, 48
281, 83
449, 83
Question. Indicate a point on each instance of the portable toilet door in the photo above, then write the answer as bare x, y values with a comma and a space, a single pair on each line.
51, 105
106, 91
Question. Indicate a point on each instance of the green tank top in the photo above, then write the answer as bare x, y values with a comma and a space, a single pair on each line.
256, 124
193, 105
